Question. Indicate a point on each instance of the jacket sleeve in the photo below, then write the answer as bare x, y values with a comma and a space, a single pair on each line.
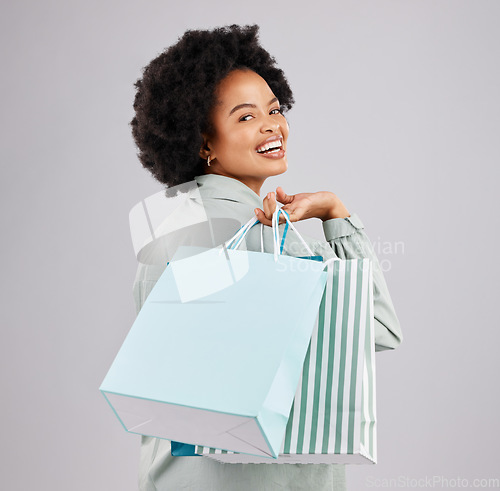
348, 240
145, 280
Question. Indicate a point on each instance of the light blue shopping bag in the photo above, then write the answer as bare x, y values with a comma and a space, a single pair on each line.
247, 338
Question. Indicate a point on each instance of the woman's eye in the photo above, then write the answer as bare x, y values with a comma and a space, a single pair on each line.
249, 116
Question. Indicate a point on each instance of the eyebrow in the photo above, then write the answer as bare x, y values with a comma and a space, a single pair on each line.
240, 106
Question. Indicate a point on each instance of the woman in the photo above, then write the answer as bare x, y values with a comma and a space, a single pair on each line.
210, 110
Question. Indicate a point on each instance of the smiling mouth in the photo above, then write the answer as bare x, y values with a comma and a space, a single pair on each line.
271, 147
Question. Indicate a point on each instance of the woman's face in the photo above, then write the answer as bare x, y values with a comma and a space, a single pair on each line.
250, 133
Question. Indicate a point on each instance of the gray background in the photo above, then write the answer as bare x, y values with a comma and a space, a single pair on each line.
402, 97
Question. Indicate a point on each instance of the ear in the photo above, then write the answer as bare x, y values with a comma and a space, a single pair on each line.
206, 148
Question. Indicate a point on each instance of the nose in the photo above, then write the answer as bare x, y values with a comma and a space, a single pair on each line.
270, 125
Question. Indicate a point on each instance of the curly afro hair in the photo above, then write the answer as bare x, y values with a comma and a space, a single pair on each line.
175, 96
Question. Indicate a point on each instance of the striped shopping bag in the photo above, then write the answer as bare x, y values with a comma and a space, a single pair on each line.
333, 417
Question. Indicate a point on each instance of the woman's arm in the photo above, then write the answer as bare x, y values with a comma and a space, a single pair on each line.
347, 238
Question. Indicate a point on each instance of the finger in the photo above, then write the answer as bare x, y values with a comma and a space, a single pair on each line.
262, 217
282, 197
272, 202
273, 207
269, 203
266, 207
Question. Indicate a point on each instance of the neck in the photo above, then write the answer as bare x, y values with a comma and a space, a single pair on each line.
254, 183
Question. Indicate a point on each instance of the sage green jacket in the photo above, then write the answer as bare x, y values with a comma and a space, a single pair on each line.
224, 198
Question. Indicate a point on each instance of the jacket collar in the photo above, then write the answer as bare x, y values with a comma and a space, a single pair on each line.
222, 187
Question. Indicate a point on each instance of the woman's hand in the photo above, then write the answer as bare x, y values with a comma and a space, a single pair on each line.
323, 205
269, 205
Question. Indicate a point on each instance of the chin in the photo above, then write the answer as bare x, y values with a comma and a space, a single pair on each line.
281, 168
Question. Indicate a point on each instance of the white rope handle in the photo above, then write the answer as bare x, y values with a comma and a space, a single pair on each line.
326, 264
276, 233
235, 241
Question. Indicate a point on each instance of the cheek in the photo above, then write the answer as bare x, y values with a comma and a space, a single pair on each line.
233, 145
241, 140
284, 127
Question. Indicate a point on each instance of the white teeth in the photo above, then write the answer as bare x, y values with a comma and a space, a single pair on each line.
267, 146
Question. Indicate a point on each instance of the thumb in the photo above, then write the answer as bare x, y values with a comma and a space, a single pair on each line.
282, 197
